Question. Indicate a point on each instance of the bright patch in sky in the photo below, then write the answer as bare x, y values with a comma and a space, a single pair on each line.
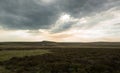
65, 17
48, 1
22, 33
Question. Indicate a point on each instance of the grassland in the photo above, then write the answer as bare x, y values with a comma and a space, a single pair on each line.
7, 54
60, 58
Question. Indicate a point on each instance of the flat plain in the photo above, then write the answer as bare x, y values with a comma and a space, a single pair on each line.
52, 57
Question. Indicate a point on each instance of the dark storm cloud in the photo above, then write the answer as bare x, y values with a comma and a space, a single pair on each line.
78, 8
28, 14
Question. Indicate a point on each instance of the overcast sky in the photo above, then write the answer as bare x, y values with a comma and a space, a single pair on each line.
60, 20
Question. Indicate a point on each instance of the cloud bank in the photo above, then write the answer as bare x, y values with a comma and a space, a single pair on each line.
60, 20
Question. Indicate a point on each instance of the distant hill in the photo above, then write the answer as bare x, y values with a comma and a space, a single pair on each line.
50, 44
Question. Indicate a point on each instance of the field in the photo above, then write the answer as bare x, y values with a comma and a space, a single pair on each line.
7, 54
50, 57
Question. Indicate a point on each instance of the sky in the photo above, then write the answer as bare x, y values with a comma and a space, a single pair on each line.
60, 20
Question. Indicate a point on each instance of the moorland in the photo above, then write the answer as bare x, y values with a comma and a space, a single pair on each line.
54, 57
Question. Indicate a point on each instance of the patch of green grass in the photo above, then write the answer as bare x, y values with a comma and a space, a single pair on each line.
7, 54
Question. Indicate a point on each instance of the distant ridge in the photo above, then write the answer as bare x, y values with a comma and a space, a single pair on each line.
50, 44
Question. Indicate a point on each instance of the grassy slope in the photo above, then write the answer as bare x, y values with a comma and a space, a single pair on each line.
6, 55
